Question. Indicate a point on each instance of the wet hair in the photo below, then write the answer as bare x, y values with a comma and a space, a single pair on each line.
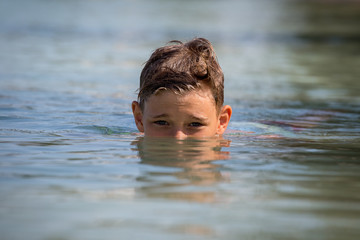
182, 67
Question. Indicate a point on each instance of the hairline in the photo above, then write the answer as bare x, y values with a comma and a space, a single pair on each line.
180, 91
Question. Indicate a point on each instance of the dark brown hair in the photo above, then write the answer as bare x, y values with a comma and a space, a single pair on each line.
182, 67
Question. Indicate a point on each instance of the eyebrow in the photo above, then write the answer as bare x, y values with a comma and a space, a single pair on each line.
160, 116
197, 118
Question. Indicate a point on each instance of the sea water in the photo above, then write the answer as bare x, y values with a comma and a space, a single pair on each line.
73, 166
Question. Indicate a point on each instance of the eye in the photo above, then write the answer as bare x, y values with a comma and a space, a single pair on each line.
161, 123
196, 124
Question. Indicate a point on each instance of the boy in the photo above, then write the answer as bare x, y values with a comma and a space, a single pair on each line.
182, 92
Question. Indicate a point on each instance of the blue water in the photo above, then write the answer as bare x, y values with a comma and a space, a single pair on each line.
72, 165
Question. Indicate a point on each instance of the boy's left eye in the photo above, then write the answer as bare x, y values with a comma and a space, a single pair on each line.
195, 124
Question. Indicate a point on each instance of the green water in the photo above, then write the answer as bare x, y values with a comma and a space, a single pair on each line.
72, 165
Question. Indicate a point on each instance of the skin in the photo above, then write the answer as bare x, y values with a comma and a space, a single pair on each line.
191, 114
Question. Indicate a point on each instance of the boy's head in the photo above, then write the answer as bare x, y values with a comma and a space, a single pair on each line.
182, 92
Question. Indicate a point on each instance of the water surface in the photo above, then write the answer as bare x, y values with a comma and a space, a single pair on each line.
73, 166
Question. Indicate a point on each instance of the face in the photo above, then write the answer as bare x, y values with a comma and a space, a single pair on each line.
191, 114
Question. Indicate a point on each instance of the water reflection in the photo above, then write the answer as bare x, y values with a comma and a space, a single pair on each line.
187, 167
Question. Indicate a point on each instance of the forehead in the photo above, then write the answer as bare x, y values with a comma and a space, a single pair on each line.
199, 99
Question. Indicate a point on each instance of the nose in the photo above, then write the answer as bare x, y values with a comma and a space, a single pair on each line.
179, 134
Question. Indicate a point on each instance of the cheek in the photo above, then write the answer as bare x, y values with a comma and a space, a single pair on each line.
152, 131
208, 131
147, 127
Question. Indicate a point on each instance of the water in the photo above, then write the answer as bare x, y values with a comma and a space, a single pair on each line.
73, 167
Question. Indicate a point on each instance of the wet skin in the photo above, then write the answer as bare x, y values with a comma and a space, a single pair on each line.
191, 114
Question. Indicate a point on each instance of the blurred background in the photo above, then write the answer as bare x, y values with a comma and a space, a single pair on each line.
72, 165
279, 49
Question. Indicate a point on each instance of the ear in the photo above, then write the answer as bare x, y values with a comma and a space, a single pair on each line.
137, 116
224, 119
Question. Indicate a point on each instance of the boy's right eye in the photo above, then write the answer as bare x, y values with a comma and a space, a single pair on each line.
161, 123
